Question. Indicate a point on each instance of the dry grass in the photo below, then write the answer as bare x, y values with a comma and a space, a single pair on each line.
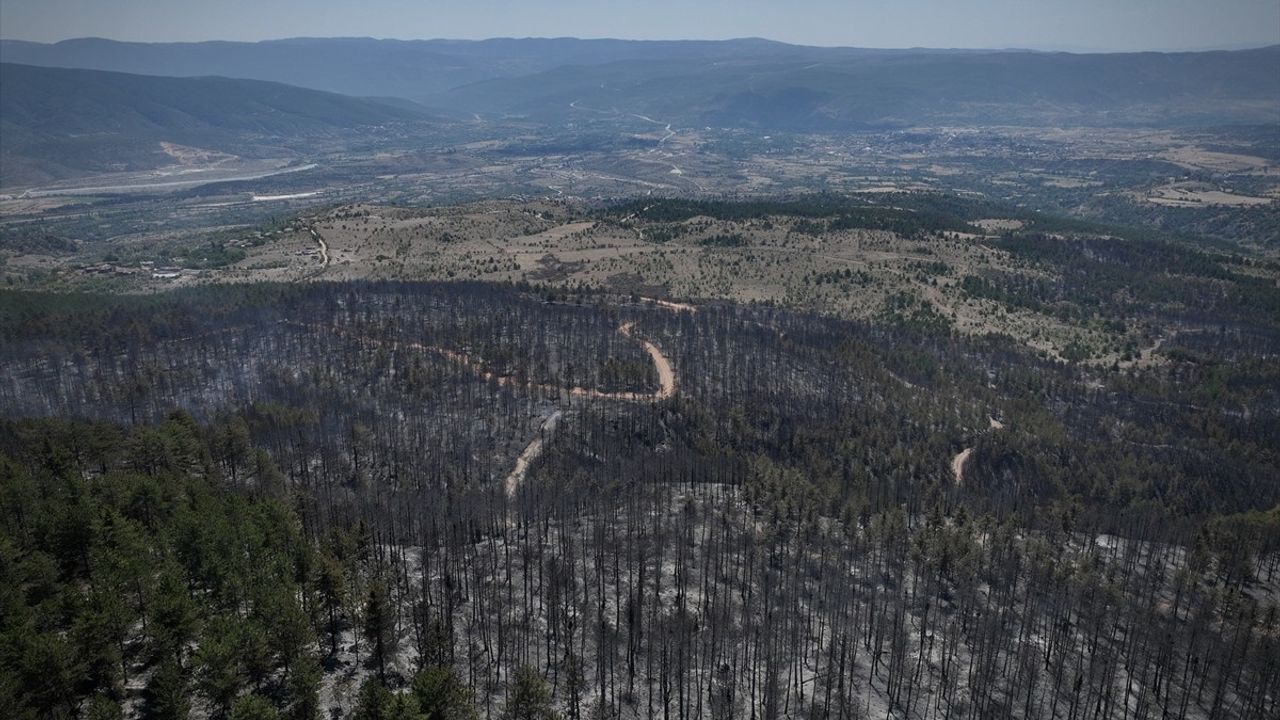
1195, 194
1196, 158
856, 274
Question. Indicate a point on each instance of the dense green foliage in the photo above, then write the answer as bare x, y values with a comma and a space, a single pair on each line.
107, 533
133, 557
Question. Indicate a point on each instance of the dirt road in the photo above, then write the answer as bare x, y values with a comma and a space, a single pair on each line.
324, 247
958, 462
666, 376
666, 390
668, 305
662, 364
531, 453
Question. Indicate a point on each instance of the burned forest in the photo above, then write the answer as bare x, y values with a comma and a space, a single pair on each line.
464, 500
729, 361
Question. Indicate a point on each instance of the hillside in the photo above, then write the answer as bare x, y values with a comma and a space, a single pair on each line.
330, 499
878, 90
679, 380
734, 83
58, 122
365, 66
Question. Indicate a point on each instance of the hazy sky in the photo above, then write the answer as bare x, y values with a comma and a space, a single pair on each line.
1049, 24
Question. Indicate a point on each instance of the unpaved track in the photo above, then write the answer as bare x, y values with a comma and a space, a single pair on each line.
666, 376
531, 453
668, 305
661, 363
958, 462
324, 247
666, 390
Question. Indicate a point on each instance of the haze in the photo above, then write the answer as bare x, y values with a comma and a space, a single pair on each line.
1078, 25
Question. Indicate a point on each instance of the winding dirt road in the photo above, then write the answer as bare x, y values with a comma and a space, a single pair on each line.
661, 363
666, 389
958, 462
324, 247
530, 453
666, 376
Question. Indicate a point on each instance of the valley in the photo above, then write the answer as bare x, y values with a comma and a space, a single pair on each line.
554, 379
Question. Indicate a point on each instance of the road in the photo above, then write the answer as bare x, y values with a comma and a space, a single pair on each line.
666, 376
958, 462
531, 453
668, 305
666, 390
324, 248
666, 126
661, 363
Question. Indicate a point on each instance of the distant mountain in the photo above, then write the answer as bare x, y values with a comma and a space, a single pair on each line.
903, 89
414, 70
58, 122
738, 83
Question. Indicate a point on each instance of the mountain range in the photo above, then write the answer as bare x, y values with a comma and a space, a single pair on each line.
61, 100
734, 82
845, 91
57, 122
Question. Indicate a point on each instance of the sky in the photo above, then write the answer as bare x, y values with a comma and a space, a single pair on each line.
1077, 25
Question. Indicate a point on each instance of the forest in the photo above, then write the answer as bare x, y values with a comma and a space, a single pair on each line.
384, 500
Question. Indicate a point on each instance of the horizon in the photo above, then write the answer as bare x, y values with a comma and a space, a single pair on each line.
942, 48
1080, 26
